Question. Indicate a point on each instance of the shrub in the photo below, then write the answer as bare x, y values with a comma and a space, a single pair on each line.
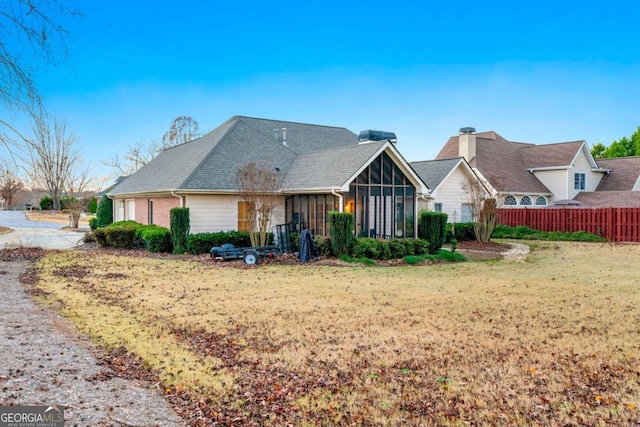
46, 203
101, 236
104, 213
155, 238
123, 237
463, 232
323, 244
179, 220
523, 232
67, 202
420, 247
201, 243
93, 223
93, 205
341, 232
432, 226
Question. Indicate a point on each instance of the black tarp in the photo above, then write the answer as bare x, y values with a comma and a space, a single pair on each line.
308, 249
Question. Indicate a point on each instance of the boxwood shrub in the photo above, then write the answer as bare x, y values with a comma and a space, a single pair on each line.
155, 238
366, 247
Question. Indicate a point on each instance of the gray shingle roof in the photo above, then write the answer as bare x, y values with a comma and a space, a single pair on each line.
210, 163
329, 168
433, 172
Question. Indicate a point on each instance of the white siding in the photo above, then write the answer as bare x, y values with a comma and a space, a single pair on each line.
451, 194
211, 213
557, 181
119, 210
582, 165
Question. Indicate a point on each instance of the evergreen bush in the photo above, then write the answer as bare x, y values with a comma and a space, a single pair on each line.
179, 221
104, 213
46, 203
432, 226
341, 232
155, 238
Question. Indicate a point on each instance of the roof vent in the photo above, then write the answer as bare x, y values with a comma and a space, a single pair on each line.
284, 137
377, 135
467, 130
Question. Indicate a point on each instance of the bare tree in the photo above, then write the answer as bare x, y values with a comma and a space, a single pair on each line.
10, 184
137, 155
52, 155
29, 29
183, 129
76, 186
260, 187
483, 210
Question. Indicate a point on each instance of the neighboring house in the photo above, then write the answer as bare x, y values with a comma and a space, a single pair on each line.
523, 174
324, 169
619, 188
450, 181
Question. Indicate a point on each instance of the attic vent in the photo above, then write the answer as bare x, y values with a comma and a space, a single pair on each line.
377, 135
467, 130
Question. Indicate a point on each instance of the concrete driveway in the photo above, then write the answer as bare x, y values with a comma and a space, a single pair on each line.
35, 234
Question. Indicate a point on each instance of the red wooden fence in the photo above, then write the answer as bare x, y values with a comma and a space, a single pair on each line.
615, 224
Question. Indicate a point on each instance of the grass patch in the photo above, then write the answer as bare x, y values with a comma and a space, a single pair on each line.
553, 341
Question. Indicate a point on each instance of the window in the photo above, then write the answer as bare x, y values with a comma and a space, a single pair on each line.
579, 181
437, 207
467, 212
150, 205
541, 201
510, 201
244, 209
526, 201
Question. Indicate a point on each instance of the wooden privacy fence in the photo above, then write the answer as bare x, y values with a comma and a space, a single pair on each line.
615, 224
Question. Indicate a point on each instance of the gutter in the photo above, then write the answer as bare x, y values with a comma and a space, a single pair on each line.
340, 198
173, 193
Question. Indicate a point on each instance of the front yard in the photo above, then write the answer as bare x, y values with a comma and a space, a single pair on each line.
554, 340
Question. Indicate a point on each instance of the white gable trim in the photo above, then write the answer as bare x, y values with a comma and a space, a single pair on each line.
392, 151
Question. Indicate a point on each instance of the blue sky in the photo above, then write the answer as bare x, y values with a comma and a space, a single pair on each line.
534, 72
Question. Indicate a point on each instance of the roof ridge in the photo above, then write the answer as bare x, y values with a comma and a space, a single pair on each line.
551, 143
288, 121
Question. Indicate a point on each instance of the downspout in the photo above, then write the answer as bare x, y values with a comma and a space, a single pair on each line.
340, 199
112, 210
173, 193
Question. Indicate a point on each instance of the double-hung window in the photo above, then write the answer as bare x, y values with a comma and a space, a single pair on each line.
579, 181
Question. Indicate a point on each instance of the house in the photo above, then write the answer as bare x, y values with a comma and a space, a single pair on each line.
323, 169
618, 188
523, 174
451, 183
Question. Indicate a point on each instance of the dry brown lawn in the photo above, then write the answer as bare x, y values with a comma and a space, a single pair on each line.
551, 341
57, 217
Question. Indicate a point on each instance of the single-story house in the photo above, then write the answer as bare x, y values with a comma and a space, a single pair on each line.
323, 169
453, 185
528, 175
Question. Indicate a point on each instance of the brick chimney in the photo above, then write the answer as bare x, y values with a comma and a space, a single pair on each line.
467, 143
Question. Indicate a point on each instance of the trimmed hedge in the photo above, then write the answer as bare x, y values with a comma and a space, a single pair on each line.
155, 238
523, 232
201, 243
367, 247
133, 235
